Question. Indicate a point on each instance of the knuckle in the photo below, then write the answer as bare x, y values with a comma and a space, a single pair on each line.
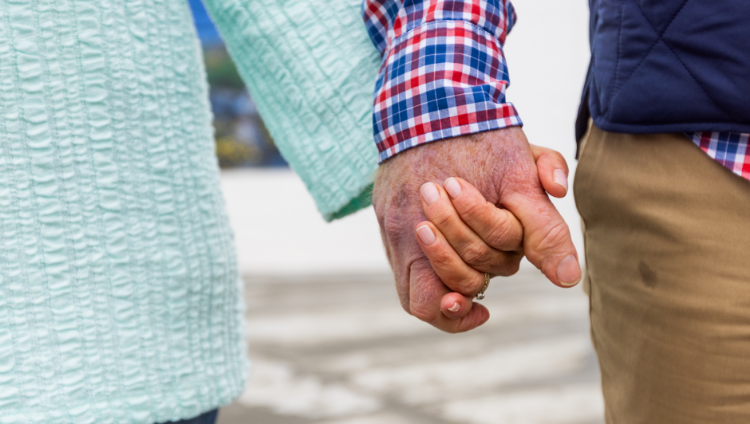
500, 233
459, 283
439, 258
476, 284
555, 237
471, 209
476, 254
444, 217
470, 286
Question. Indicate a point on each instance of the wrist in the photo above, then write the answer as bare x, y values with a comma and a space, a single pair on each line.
483, 159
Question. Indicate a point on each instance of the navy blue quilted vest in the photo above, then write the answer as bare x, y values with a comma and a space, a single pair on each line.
668, 66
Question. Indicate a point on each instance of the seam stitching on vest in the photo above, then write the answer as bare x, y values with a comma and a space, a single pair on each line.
659, 36
698, 83
650, 50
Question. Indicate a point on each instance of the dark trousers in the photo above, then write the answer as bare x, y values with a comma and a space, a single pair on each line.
207, 418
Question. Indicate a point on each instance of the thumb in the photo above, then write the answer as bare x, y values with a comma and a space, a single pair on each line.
552, 169
547, 242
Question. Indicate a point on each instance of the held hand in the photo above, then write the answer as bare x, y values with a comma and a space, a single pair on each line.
469, 230
501, 167
461, 248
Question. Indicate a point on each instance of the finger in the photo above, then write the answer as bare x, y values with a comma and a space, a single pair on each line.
547, 241
552, 169
455, 305
466, 243
499, 228
426, 293
451, 269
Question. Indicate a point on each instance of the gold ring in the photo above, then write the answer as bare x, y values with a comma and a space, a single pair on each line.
480, 295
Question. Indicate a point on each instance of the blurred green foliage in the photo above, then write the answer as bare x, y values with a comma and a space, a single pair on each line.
220, 69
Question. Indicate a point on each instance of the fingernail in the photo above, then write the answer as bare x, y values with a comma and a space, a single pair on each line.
452, 187
429, 193
426, 234
455, 307
569, 272
561, 178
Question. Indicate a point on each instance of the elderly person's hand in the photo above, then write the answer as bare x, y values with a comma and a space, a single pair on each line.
465, 231
501, 166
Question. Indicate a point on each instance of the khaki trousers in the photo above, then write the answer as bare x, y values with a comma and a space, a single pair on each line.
667, 236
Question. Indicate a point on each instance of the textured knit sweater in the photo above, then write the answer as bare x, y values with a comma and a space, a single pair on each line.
120, 300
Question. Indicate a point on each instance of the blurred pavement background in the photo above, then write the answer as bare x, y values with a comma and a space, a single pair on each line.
340, 350
328, 340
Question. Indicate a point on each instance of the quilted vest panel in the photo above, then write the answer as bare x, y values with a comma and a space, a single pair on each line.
668, 66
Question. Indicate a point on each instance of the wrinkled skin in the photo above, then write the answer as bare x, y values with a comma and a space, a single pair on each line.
501, 166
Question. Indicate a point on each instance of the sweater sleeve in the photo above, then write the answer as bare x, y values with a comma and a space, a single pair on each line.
443, 72
310, 68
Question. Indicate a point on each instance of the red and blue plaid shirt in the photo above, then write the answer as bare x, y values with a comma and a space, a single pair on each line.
729, 149
444, 74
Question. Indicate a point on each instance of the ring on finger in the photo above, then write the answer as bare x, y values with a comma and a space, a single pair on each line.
480, 295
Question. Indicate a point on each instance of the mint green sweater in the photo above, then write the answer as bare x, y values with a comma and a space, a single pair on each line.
120, 300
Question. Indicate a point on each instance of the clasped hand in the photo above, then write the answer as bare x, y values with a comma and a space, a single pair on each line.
452, 210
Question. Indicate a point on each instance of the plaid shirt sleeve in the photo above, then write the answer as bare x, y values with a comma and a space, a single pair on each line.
443, 72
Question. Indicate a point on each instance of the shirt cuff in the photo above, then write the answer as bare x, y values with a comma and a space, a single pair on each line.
440, 80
